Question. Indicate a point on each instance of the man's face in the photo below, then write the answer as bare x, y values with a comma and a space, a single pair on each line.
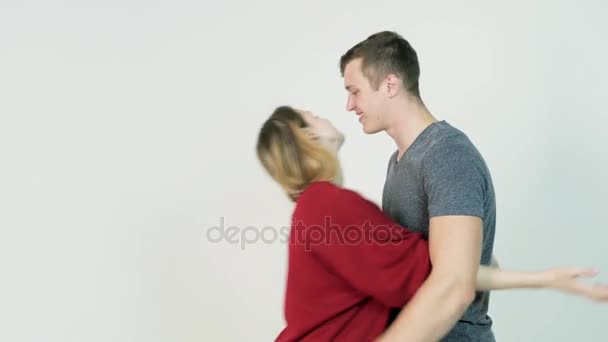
366, 102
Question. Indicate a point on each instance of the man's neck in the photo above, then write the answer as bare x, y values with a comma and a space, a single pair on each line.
408, 124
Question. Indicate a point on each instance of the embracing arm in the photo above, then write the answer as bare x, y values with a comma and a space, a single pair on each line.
367, 249
455, 249
563, 279
492, 277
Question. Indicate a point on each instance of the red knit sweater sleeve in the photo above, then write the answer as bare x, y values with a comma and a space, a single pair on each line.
367, 249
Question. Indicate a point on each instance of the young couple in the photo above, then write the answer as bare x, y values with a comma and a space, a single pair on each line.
421, 267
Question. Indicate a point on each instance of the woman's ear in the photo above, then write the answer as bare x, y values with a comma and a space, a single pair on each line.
311, 134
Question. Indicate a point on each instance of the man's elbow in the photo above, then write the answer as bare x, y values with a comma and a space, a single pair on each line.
466, 294
462, 293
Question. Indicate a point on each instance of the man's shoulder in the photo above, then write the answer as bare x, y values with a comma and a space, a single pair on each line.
451, 142
454, 154
447, 135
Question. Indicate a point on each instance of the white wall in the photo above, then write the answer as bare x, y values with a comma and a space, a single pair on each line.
128, 127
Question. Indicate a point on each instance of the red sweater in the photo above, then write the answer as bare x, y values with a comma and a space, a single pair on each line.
349, 264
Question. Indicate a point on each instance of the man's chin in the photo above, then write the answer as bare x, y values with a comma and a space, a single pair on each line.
370, 130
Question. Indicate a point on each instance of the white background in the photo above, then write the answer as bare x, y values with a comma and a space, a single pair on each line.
128, 129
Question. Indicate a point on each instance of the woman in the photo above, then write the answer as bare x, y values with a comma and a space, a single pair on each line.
349, 264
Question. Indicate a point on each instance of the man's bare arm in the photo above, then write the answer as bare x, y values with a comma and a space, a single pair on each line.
455, 251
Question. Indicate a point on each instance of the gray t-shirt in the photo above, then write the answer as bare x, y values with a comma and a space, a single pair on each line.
442, 173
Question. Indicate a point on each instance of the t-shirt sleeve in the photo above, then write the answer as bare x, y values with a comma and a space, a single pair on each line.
454, 180
371, 252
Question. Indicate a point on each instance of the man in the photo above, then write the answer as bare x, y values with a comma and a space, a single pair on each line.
437, 183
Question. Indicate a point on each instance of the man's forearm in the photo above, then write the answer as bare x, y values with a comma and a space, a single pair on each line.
432, 312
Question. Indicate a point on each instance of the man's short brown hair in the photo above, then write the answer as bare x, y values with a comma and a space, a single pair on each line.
386, 53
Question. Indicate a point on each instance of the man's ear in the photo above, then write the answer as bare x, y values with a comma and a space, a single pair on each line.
393, 85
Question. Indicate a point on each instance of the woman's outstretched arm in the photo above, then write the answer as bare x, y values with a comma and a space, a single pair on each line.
564, 279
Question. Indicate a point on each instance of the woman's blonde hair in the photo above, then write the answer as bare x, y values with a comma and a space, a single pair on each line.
291, 156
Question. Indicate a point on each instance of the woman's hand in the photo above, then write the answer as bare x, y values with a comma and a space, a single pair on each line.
568, 279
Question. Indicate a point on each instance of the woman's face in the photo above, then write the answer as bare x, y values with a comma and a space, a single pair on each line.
323, 130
